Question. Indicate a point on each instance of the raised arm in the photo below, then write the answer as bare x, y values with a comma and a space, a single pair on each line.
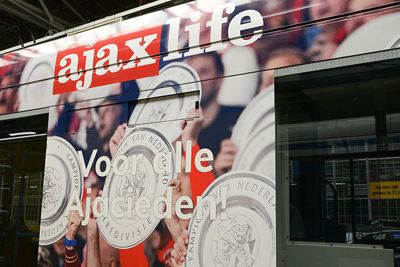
71, 253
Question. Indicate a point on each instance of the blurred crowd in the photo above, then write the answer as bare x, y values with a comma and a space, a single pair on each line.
101, 125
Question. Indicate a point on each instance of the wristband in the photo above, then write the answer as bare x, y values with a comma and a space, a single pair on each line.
69, 243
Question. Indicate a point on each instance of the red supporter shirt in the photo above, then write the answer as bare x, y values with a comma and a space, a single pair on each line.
72, 258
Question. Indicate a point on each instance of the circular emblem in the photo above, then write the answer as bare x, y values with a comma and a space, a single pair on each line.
165, 103
37, 69
395, 43
62, 175
258, 113
371, 38
122, 227
258, 153
246, 236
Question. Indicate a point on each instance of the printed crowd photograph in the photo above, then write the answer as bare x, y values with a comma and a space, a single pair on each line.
165, 143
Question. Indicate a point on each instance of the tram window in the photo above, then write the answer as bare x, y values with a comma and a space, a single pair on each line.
338, 140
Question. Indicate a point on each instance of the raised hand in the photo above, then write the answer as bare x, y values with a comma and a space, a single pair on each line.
191, 128
116, 138
179, 252
225, 158
176, 225
73, 225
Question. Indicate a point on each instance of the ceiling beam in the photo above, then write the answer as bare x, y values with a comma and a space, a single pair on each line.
6, 18
21, 5
46, 10
23, 16
73, 10
15, 31
38, 13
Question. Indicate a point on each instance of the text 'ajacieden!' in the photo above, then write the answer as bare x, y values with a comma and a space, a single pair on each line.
161, 207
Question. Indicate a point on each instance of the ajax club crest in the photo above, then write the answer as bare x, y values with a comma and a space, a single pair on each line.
243, 233
62, 176
123, 227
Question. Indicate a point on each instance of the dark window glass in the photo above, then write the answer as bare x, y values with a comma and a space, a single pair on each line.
338, 141
22, 159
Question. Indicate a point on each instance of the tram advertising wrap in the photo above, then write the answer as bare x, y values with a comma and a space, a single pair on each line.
161, 133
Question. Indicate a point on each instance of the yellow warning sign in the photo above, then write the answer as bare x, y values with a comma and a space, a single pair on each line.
384, 190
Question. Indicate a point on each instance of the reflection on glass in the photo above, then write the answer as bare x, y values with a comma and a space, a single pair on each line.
339, 143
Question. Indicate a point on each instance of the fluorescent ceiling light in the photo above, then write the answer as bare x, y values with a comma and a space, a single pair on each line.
21, 133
